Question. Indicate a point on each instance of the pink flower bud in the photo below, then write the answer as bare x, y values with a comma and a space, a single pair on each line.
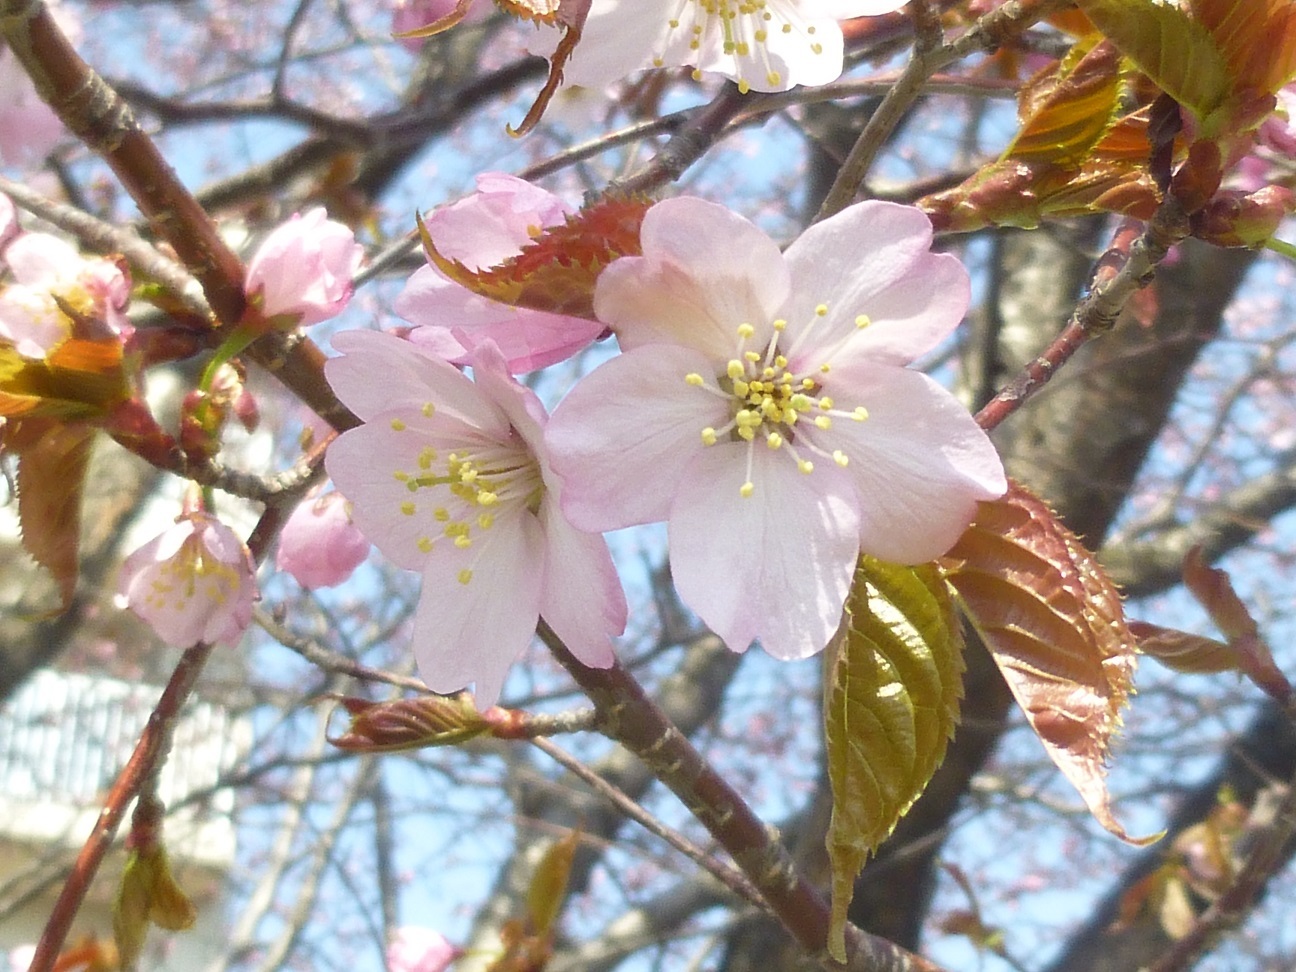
304, 269
320, 546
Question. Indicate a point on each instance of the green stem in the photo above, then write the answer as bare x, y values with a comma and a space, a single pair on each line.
1282, 248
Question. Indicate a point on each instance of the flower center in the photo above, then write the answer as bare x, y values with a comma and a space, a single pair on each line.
774, 404
191, 574
744, 27
459, 492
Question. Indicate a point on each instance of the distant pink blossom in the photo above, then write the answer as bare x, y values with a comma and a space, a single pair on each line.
29, 128
320, 545
762, 406
420, 950
772, 45
305, 269
45, 267
481, 231
413, 14
194, 582
449, 476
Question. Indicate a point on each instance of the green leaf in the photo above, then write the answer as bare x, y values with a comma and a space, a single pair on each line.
891, 704
1054, 623
548, 888
1066, 111
1172, 49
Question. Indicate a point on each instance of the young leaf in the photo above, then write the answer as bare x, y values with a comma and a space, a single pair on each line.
1069, 109
1168, 46
890, 708
1256, 37
427, 720
1054, 623
548, 889
51, 479
556, 271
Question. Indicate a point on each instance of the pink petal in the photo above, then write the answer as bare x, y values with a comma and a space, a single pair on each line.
920, 463
494, 223
774, 566
852, 261
617, 40
451, 319
473, 632
582, 598
380, 372
704, 271
363, 463
623, 437
908, 318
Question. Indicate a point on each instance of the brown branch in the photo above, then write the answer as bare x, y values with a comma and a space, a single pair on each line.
1127, 266
144, 763
631, 718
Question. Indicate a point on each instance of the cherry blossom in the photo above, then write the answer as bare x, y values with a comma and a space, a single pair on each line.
449, 476
44, 268
481, 231
764, 45
763, 408
420, 950
194, 582
304, 269
320, 545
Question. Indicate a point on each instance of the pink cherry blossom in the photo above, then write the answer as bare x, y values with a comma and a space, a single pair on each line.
45, 267
29, 128
195, 582
481, 231
305, 268
763, 408
320, 545
765, 45
449, 476
420, 950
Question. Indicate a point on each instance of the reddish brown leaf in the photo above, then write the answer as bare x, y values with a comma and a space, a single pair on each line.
1214, 591
428, 720
557, 270
51, 479
1054, 623
1256, 37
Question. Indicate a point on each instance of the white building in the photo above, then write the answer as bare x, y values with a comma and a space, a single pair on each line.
63, 739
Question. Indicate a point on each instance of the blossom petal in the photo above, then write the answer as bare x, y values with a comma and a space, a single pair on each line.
623, 437
920, 463
494, 223
451, 320
582, 598
363, 462
873, 258
618, 39
379, 373
473, 632
908, 318
704, 271
776, 565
